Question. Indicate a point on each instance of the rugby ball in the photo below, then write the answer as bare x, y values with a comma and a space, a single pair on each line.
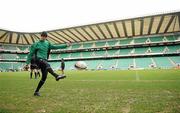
80, 65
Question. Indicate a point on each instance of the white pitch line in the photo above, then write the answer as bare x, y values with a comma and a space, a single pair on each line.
123, 80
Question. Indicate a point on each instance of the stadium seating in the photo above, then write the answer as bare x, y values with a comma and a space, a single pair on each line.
125, 41
21, 56
100, 44
75, 55
109, 64
54, 56
140, 40
100, 53
125, 51
113, 52
87, 45
65, 55
157, 49
93, 64
141, 50
163, 62
70, 65
143, 62
124, 63
76, 46
92, 56
86, 54
171, 38
9, 56
55, 65
22, 48
175, 59
174, 49
5, 65
156, 39
112, 42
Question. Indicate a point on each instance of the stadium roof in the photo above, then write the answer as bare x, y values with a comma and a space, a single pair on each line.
141, 26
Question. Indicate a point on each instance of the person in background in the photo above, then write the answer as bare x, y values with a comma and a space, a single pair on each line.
62, 66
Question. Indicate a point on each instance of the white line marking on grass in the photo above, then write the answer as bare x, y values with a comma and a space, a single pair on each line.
137, 76
124, 80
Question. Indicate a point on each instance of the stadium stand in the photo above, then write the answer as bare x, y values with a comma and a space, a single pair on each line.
120, 50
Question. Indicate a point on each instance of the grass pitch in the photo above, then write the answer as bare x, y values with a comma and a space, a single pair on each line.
145, 91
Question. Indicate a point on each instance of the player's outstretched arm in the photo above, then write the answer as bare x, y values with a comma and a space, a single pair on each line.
62, 46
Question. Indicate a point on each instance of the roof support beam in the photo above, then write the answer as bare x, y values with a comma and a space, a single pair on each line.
160, 23
74, 35
63, 37
26, 39
169, 23
36, 36
179, 18
142, 25
68, 36
116, 28
10, 38
57, 38
124, 28
150, 25
133, 28
18, 37
101, 31
32, 38
94, 32
81, 34
6, 37
109, 30
3, 35
87, 33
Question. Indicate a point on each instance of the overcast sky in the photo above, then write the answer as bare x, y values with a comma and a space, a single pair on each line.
42, 15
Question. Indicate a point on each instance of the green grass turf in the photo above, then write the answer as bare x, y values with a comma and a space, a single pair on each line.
145, 91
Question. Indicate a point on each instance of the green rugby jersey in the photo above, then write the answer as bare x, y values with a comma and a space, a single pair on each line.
42, 48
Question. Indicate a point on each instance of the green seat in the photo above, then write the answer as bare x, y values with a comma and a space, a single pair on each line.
107, 64
75, 55
173, 49
22, 48
54, 56
172, 38
175, 59
76, 46
92, 64
64, 55
162, 62
7, 47
112, 52
70, 65
124, 63
100, 53
112, 43
22, 56
86, 54
140, 50
156, 39
9, 56
87, 45
140, 40
125, 41
100, 44
125, 51
143, 62
157, 49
